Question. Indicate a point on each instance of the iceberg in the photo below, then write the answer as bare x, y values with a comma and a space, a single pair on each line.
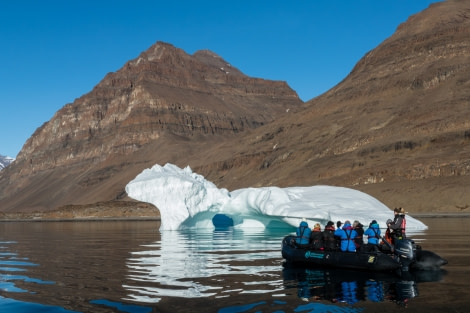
186, 200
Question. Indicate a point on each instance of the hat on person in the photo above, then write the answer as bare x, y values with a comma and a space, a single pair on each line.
402, 211
389, 221
330, 223
317, 226
373, 222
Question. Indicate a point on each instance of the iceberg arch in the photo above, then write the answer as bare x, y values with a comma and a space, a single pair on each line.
187, 200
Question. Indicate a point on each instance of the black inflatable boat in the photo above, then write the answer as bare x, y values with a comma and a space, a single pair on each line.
406, 255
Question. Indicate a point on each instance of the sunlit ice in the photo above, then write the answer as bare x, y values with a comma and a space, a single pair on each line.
186, 200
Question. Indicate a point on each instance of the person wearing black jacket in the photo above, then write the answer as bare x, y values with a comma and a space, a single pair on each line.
398, 226
316, 237
329, 240
359, 241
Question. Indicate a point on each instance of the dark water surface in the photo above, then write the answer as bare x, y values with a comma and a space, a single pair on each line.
130, 266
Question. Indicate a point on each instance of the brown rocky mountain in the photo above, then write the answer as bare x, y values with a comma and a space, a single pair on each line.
164, 106
397, 127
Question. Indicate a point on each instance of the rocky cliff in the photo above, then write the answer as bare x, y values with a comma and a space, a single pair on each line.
396, 127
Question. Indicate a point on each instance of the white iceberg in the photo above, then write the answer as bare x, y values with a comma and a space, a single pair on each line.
187, 200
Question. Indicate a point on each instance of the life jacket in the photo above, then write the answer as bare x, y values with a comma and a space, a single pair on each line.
376, 235
400, 232
403, 226
348, 235
303, 234
387, 240
388, 236
350, 241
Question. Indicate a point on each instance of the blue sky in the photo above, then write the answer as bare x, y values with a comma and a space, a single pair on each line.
53, 52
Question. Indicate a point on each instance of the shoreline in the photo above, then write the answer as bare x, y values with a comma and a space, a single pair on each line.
85, 219
439, 214
158, 218
101, 211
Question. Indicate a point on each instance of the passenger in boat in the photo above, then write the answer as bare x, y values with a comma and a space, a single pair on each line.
338, 238
303, 234
373, 236
359, 240
316, 237
386, 245
329, 241
347, 234
398, 226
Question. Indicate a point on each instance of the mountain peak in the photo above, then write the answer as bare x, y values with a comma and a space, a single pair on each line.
160, 49
5, 161
137, 116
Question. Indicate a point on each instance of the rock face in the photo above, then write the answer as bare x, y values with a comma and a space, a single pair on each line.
175, 102
397, 127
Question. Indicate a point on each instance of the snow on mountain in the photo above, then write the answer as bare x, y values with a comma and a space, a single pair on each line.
5, 161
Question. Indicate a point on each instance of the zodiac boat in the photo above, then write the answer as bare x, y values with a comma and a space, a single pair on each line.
404, 256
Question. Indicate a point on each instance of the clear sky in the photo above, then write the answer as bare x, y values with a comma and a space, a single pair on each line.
53, 52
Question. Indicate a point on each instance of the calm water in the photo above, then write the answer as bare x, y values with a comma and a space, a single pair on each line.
130, 266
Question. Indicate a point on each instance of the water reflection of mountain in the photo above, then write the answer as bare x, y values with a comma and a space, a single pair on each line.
347, 286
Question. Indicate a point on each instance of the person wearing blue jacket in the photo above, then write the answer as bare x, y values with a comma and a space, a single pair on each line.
373, 235
347, 235
303, 234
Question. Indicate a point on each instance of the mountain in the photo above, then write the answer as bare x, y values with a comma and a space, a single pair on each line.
5, 161
397, 127
163, 106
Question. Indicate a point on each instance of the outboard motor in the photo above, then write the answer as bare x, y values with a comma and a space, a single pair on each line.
405, 249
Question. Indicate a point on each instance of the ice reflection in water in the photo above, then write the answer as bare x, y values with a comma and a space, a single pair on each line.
183, 264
